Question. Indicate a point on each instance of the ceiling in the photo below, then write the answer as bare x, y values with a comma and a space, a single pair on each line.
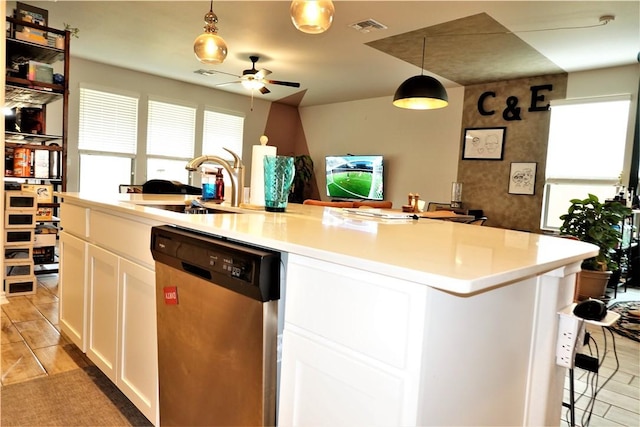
466, 42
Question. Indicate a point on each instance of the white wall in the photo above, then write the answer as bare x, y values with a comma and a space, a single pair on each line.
106, 77
421, 148
610, 81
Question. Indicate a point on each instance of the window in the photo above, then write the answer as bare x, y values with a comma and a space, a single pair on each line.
109, 147
222, 130
170, 140
107, 139
585, 154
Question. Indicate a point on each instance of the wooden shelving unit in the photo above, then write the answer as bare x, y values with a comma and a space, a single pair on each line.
22, 94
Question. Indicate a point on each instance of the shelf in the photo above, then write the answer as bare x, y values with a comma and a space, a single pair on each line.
17, 139
19, 92
26, 179
21, 51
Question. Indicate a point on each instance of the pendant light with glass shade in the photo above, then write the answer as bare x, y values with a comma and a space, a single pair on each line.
421, 92
312, 16
209, 47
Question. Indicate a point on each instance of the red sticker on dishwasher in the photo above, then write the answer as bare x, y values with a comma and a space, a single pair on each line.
170, 295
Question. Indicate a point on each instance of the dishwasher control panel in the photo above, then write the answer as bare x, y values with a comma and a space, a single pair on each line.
249, 270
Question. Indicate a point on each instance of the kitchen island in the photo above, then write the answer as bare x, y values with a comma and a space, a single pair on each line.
387, 322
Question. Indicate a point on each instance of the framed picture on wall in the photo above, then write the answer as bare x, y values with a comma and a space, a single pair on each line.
483, 143
522, 178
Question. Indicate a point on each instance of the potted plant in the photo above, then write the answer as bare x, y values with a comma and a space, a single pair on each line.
301, 188
599, 223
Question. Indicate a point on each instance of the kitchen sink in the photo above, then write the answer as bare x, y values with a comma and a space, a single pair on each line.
187, 209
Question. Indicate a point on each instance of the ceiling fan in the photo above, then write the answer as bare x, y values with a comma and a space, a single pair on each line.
253, 78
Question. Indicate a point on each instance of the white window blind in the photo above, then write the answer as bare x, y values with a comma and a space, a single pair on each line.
108, 122
585, 153
171, 130
222, 130
587, 139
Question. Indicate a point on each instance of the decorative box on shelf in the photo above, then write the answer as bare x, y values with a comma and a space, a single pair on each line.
24, 286
44, 192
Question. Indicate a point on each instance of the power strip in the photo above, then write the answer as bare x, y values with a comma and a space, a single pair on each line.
570, 333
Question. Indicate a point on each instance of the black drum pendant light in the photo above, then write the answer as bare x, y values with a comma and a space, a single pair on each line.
421, 92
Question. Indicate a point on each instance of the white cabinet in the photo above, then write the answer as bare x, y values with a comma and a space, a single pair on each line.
73, 289
103, 310
107, 300
137, 345
122, 339
351, 347
361, 348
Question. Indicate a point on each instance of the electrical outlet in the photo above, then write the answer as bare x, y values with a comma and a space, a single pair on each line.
570, 330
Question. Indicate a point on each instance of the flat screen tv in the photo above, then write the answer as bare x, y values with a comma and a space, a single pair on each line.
355, 177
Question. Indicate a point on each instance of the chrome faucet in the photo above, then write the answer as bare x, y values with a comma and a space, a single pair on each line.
236, 173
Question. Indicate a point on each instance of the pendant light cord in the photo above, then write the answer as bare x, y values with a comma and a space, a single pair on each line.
424, 47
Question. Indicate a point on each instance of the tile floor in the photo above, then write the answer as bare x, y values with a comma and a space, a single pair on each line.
618, 403
33, 347
31, 343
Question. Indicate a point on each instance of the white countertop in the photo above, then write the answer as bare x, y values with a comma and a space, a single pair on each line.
454, 257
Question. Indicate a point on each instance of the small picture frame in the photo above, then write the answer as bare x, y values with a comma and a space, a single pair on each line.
435, 206
483, 143
522, 178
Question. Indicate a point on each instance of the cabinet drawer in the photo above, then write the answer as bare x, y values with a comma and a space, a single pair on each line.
124, 236
74, 220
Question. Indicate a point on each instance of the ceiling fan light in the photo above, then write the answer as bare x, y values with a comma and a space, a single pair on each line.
209, 47
421, 93
312, 16
252, 84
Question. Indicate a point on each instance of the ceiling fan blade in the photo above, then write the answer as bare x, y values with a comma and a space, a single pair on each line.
261, 74
213, 72
279, 82
264, 90
228, 83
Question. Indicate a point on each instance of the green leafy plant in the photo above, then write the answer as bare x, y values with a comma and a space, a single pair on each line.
596, 222
73, 30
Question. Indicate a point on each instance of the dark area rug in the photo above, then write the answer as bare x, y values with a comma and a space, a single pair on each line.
628, 325
81, 397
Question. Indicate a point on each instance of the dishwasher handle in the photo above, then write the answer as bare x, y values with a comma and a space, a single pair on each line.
194, 269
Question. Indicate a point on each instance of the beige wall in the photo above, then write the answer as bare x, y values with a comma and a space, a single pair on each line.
486, 182
420, 148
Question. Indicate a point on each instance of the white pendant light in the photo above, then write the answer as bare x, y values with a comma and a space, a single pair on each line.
421, 92
312, 16
209, 47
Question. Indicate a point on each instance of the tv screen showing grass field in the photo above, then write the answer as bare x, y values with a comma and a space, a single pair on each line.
354, 177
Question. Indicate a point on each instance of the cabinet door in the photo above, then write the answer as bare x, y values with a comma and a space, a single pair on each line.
73, 289
103, 310
138, 349
324, 386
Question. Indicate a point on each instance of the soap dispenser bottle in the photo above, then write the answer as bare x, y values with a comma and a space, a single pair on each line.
219, 185
209, 189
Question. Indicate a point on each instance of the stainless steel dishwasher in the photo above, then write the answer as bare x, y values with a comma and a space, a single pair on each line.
217, 329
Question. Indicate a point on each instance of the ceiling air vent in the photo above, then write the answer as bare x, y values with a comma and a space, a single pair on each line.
368, 25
